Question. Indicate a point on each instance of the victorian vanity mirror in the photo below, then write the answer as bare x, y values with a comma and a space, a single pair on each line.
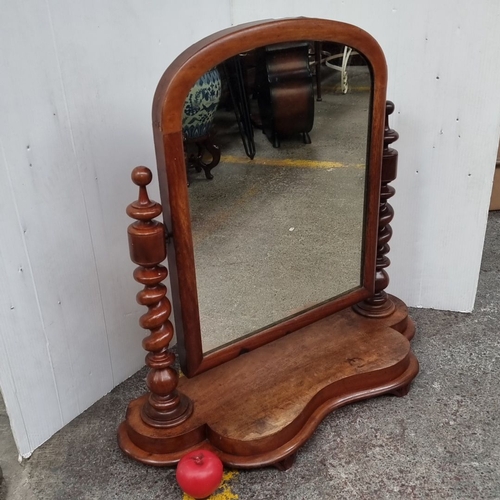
274, 162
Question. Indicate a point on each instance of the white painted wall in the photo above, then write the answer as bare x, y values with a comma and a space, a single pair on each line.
445, 82
76, 84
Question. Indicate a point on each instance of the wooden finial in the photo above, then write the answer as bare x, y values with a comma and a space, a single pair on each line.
390, 135
141, 176
143, 209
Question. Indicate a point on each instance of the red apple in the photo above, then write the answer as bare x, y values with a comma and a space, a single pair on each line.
199, 473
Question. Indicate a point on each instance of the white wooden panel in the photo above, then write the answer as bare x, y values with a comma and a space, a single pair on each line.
26, 372
112, 55
76, 91
444, 81
449, 123
46, 189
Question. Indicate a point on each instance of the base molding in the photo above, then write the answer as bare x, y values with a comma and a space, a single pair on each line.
260, 408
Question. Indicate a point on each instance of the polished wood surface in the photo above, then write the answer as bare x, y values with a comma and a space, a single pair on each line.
379, 304
168, 105
164, 406
258, 409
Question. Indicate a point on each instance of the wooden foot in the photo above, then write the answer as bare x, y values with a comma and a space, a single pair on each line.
286, 463
401, 391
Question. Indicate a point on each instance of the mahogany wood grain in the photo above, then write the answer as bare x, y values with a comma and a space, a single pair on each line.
379, 304
259, 408
164, 406
168, 106
285, 91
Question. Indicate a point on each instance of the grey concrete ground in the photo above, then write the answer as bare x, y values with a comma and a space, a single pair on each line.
442, 441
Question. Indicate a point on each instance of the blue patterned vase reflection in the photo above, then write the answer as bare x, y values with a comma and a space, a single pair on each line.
201, 104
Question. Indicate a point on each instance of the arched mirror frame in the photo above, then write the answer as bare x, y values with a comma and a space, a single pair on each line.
168, 105
285, 388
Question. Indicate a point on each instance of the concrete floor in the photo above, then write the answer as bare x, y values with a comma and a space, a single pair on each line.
266, 237
442, 441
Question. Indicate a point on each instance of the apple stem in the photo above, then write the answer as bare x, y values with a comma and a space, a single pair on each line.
198, 459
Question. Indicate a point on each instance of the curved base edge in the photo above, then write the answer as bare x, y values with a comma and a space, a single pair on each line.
282, 454
410, 329
281, 457
133, 451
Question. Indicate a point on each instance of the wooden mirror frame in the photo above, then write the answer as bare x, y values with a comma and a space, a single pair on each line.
168, 108
292, 375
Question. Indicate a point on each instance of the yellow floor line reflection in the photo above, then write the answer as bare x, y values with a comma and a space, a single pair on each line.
286, 162
224, 492
360, 88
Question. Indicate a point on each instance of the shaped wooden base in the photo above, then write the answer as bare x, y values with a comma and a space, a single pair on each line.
259, 408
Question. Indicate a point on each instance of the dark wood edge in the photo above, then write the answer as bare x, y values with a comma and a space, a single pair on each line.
202, 56
167, 124
373, 183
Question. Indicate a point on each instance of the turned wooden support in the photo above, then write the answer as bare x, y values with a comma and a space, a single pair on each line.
164, 407
380, 305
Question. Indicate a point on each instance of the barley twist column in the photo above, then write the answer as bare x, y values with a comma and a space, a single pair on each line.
380, 304
164, 407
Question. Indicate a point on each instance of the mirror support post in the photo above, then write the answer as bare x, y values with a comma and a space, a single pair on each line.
380, 304
164, 406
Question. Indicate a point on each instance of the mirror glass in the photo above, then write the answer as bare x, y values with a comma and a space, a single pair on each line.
276, 144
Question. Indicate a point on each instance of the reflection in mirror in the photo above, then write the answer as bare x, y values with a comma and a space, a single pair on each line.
282, 131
